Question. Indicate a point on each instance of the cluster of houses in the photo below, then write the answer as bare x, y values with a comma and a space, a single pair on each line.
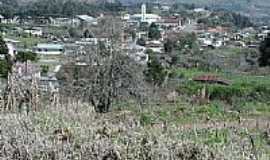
79, 20
174, 21
224, 36
55, 47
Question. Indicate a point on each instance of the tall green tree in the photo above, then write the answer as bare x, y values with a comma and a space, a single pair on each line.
3, 47
87, 34
3, 68
25, 56
168, 46
5, 64
155, 72
154, 32
264, 59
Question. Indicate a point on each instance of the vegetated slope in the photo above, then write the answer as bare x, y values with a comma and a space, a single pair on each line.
24, 2
256, 9
253, 8
76, 132
56, 7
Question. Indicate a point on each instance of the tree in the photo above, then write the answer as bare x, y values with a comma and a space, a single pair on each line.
168, 46
3, 69
141, 42
6, 64
184, 43
73, 32
223, 18
107, 77
3, 46
133, 35
154, 32
143, 26
108, 72
187, 43
25, 56
155, 72
87, 34
264, 59
44, 69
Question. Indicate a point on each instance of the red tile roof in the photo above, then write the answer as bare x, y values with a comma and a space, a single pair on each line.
211, 79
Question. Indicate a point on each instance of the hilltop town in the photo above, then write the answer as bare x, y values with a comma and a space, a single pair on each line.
137, 81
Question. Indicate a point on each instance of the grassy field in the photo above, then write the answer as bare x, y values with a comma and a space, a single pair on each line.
217, 129
30, 41
180, 131
27, 42
244, 90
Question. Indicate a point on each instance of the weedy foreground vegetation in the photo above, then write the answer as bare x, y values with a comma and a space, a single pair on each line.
173, 131
97, 119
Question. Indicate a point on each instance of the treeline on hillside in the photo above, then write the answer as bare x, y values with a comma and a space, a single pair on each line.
226, 19
56, 7
8, 8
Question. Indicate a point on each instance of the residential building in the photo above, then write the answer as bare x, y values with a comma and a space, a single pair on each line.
62, 21
137, 53
85, 20
28, 71
49, 49
12, 47
36, 31
156, 46
170, 22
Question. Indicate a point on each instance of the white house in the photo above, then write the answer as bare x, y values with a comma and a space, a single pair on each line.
11, 45
137, 53
156, 46
61, 21
165, 7
49, 49
170, 22
87, 20
36, 31
11, 49
125, 17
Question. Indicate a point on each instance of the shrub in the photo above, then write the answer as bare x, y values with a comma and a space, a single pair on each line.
3, 68
44, 69
243, 90
26, 56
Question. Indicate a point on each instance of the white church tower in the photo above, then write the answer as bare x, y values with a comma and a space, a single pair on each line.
143, 12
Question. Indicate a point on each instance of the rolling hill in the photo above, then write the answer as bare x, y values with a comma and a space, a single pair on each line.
256, 9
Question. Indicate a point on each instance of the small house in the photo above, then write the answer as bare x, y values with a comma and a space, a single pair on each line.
36, 31
12, 46
61, 21
49, 49
156, 46
170, 22
85, 20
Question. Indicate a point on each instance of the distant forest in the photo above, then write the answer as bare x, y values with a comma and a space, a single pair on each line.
67, 8
56, 7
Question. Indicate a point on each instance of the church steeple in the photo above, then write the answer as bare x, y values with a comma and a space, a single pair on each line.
143, 12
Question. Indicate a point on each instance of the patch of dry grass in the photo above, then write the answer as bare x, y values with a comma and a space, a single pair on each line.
80, 133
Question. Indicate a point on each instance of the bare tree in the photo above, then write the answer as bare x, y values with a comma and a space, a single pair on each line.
107, 74
117, 76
